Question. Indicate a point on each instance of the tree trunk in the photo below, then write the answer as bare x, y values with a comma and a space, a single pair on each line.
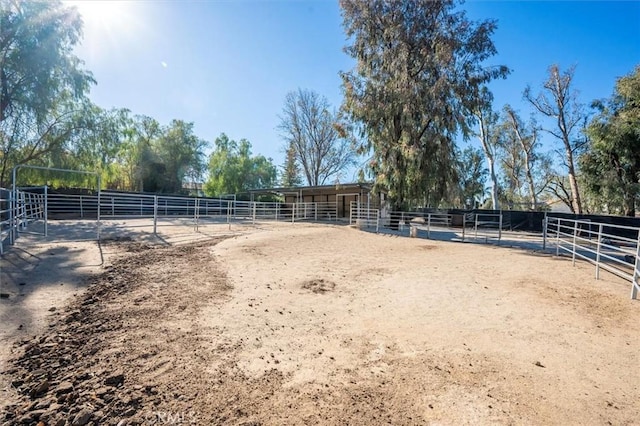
495, 205
576, 202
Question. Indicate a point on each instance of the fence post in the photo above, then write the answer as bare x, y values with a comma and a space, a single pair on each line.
598, 252
155, 214
544, 233
12, 218
196, 211
277, 207
634, 280
476, 227
46, 211
575, 235
428, 225
464, 225
293, 213
254, 213
500, 228
81, 209
98, 223
315, 205
557, 236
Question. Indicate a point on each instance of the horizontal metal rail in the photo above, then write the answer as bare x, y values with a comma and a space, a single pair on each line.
608, 247
363, 217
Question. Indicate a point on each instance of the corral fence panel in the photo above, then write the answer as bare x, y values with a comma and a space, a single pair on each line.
614, 248
465, 226
363, 217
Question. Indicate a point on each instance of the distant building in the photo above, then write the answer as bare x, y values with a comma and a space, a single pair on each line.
340, 195
193, 188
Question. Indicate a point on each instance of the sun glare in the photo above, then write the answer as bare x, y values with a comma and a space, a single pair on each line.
107, 24
101, 12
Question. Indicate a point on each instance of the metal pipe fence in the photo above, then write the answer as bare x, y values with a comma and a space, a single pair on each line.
363, 217
467, 227
613, 248
20, 207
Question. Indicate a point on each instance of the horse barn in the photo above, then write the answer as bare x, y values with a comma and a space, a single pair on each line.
330, 198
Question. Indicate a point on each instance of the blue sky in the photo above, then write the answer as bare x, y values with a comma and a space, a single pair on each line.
228, 65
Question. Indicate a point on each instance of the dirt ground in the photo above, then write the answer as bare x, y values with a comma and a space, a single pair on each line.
312, 324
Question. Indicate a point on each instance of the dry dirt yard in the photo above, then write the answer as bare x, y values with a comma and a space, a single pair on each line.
309, 324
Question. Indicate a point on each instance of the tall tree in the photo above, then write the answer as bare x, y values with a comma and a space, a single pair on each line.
473, 176
316, 136
512, 165
489, 139
143, 161
559, 101
233, 169
290, 169
525, 136
181, 154
611, 167
419, 62
42, 83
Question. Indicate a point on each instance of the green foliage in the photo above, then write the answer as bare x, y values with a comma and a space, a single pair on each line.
472, 175
526, 170
42, 86
611, 168
419, 65
233, 169
290, 170
178, 157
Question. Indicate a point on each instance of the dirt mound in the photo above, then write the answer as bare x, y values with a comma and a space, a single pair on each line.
319, 285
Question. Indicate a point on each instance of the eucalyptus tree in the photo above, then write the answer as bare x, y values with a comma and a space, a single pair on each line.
472, 176
535, 164
419, 64
488, 134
